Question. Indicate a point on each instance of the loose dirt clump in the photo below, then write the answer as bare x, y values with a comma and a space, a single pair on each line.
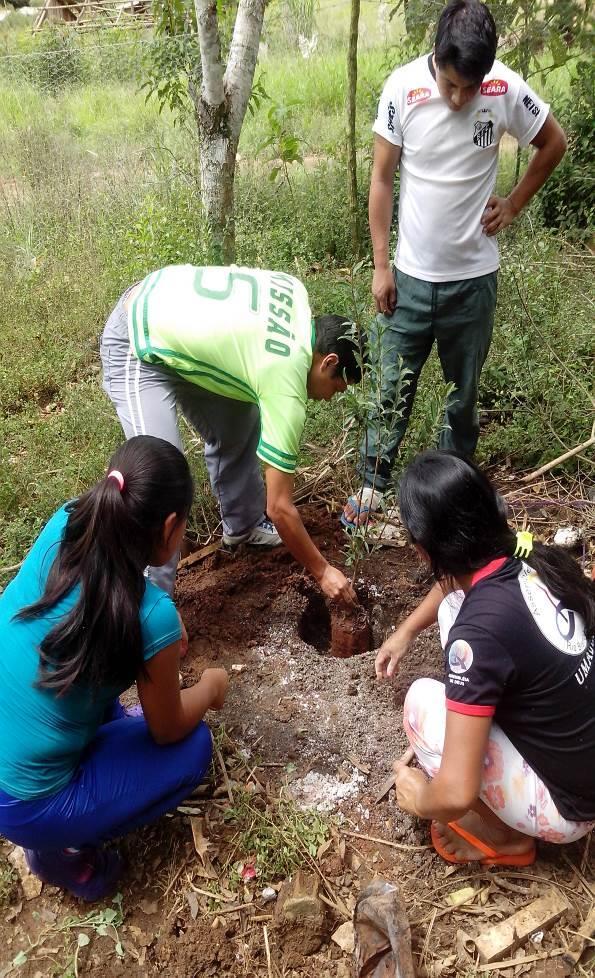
351, 633
198, 952
341, 630
299, 921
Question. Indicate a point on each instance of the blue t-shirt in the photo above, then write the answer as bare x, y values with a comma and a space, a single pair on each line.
42, 736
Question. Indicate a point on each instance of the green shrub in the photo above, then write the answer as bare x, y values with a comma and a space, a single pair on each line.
56, 62
567, 201
534, 391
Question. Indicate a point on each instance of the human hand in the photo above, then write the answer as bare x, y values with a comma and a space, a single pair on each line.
384, 290
390, 654
498, 214
408, 783
218, 681
336, 586
183, 639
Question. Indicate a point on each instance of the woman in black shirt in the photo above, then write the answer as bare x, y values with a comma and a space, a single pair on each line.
509, 740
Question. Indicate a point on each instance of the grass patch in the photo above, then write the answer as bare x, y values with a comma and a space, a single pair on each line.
277, 838
8, 883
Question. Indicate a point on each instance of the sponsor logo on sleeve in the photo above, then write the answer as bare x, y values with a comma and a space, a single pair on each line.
530, 106
391, 117
494, 86
418, 95
460, 656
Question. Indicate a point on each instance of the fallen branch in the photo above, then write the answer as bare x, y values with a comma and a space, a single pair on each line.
558, 461
9, 570
199, 555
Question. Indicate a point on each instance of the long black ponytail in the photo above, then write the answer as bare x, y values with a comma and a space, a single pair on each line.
111, 535
451, 509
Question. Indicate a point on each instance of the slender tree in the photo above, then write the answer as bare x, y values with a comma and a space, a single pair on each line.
220, 105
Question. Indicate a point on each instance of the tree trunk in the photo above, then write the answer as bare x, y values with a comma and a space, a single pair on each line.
217, 172
220, 109
351, 140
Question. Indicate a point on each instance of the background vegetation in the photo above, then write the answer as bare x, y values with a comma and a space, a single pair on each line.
98, 184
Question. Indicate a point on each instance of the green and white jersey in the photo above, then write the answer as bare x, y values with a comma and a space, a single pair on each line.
244, 333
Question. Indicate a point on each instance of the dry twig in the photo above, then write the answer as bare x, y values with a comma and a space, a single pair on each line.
267, 950
226, 780
385, 842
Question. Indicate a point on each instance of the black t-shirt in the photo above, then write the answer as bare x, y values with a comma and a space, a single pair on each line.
516, 654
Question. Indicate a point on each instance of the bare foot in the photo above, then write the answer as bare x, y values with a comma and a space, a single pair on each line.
506, 841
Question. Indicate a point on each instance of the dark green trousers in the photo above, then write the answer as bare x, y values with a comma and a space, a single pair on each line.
459, 316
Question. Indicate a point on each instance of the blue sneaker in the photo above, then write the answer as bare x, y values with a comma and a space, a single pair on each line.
88, 873
263, 534
134, 711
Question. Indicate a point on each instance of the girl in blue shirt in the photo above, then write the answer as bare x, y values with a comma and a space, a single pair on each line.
79, 624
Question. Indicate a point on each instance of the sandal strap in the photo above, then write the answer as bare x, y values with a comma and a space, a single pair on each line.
473, 840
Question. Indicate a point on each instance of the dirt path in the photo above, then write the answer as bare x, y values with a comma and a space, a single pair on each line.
297, 725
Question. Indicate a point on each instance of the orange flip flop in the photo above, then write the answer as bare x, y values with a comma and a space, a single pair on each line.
491, 858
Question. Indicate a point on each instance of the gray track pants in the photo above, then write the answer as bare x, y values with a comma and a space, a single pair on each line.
146, 398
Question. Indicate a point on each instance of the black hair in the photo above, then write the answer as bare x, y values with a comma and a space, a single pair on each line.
335, 334
466, 39
451, 509
111, 535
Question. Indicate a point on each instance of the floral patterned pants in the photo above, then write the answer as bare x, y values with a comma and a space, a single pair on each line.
509, 786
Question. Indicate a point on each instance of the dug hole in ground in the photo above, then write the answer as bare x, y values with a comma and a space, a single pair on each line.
312, 732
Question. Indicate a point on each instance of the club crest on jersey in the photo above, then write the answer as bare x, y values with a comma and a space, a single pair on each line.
418, 95
494, 86
483, 131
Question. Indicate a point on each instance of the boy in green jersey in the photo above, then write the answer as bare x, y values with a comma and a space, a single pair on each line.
237, 350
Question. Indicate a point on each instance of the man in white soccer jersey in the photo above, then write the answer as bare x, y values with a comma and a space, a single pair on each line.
237, 350
440, 121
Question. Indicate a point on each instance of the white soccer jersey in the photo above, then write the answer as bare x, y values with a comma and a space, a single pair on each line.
449, 162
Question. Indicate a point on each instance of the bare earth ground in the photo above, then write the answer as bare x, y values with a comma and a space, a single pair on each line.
322, 731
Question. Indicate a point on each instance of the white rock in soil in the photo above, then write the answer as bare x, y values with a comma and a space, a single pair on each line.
344, 936
567, 536
269, 894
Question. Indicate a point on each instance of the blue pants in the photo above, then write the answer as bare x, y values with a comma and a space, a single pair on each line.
124, 780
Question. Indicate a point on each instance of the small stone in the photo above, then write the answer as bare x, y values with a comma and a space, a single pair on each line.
567, 536
269, 894
344, 936
149, 906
